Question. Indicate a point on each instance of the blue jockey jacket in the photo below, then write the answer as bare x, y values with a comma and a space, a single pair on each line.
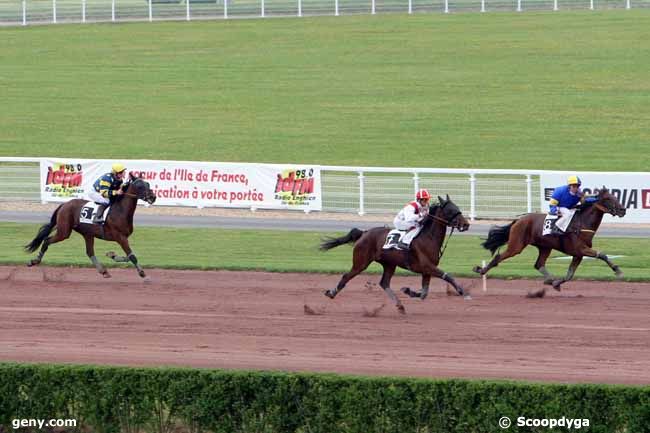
107, 185
563, 198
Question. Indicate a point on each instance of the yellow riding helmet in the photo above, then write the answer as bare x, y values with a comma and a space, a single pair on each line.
574, 180
118, 168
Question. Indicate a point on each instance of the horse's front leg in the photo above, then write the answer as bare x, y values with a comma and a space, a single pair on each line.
426, 278
130, 257
604, 258
389, 270
439, 273
575, 262
90, 252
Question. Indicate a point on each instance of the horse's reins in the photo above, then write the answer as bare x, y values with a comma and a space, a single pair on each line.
446, 223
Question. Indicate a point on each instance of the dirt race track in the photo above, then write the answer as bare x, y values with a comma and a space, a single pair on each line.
591, 332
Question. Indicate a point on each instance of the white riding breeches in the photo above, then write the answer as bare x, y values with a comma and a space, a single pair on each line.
563, 222
97, 197
408, 237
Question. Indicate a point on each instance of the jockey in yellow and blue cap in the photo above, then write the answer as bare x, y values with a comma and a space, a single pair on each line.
564, 200
107, 188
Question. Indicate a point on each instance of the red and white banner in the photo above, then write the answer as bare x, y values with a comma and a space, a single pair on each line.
631, 189
196, 184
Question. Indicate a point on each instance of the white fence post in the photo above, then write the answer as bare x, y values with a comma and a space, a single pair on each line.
362, 209
299, 8
410, 6
446, 6
336, 8
372, 7
472, 196
225, 9
529, 193
113, 10
518, 5
627, 4
83, 11
187, 10
262, 11
24, 12
54, 11
150, 11
591, 5
416, 182
482, 5
555, 5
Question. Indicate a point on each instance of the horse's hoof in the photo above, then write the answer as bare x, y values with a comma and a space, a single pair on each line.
619, 275
401, 309
329, 294
478, 269
548, 282
405, 290
556, 285
32, 262
106, 274
142, 274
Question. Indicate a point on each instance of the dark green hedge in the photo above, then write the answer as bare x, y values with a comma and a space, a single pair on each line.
116, 399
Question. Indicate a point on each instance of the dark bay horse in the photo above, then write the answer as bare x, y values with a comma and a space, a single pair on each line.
422, 258
118, 226
576, 242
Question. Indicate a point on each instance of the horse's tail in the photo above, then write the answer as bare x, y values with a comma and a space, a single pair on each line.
43, 233
330, 243
497, 236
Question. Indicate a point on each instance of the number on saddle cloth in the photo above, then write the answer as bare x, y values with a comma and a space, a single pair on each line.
549, 222
392, 238
88, 210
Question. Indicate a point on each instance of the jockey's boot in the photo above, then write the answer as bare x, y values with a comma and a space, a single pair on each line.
99, 215
403, 246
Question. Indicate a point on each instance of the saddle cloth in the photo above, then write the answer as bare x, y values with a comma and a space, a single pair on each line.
88, 212
392, 239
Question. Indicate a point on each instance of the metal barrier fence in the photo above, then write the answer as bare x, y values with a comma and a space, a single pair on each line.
363, 190
24, 12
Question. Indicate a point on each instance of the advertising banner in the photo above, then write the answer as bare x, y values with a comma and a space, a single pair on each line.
631, 189
196, 184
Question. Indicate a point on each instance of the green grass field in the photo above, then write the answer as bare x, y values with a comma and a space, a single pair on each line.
298, 252
567, 90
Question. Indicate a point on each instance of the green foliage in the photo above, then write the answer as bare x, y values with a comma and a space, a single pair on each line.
117, 399
566, 90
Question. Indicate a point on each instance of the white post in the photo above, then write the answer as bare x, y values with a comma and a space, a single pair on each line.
372, 7
54, 11
24, 13
336, 8
225, 9
446, 6
362, 209
83, 11
416, 183
555, 5
484, 277
113, 10
262, 13
518, 5
299, 8
472, 196
529, 194
187, 10
150, 12
482, 5
627, 4
410, 6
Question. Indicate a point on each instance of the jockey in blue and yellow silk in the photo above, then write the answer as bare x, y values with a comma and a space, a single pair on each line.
564, 200
107, 188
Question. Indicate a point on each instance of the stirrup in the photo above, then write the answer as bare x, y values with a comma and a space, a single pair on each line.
403, 246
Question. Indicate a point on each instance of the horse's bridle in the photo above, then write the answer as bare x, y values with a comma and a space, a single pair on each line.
446, 222
604, 209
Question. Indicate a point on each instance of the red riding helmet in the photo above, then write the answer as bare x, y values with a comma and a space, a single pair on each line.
422, 194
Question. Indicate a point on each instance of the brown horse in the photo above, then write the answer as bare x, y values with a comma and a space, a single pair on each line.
118, 226
576, 242
422, 258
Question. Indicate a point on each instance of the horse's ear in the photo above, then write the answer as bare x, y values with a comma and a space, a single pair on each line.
448, 197
604, 189
440, 200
